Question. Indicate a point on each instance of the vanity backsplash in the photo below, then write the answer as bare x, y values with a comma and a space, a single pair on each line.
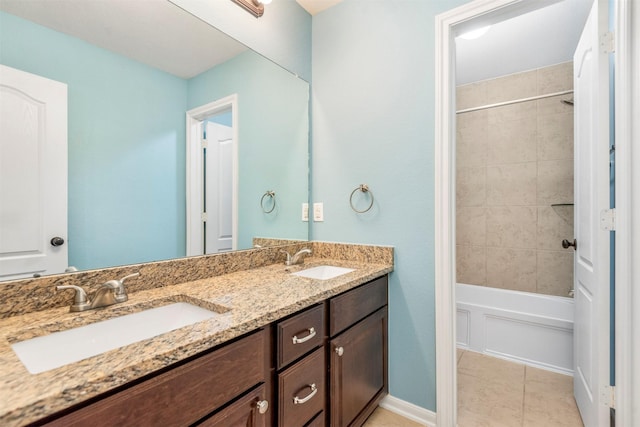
28, 295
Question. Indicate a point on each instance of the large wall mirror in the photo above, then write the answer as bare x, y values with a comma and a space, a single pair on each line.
133, 70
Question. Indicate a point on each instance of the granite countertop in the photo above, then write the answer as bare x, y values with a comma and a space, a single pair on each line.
254, 298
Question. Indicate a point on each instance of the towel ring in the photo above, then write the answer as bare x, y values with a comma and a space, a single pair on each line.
365, 189
272, 197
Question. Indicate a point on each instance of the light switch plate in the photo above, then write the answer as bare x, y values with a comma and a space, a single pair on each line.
305, 212
318, 212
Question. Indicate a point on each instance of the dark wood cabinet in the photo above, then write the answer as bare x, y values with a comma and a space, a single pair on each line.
248, 411
326, 365
358, 353
183, 395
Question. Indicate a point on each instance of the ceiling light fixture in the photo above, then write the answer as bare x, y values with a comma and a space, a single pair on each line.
255, 7
475, 34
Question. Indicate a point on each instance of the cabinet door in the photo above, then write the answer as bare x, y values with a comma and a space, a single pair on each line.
248, 411
358, 370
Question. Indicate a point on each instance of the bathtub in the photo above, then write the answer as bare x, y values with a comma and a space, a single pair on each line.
520, 326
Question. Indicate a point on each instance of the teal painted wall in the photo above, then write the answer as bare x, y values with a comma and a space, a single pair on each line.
282, 34
122, 176
373, 122
272, 148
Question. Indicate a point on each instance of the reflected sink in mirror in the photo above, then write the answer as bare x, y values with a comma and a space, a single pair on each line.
323, 272
57, 349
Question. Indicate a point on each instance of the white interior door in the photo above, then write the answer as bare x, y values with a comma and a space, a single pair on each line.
33, 174
219, 188
591, 279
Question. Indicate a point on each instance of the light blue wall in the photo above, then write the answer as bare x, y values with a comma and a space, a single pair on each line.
272, 147
123, 179
282, 34
373, 123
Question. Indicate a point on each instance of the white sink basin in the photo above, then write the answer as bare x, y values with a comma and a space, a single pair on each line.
323, 272
61, 348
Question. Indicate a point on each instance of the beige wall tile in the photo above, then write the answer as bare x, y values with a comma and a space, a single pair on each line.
555, 78
513, 269
555, 136
511, 226
512, 142
511, 185
554, 105
555, 182
555, 272
511, 87
471, 226
471, 140
470, 264
471, 186
471, 95
511, 112
552, 229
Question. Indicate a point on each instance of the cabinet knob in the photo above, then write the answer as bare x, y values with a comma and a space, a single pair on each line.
339, 351
263, 406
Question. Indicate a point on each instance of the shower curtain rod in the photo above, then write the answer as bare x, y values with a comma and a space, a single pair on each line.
515, 101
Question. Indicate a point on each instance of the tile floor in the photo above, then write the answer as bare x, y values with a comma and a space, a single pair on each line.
496, 393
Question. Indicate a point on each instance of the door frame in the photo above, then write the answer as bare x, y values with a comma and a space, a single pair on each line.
194, 172
627, 333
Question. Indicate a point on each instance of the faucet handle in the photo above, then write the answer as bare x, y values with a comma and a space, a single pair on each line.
288, 261
80, 301
120, 291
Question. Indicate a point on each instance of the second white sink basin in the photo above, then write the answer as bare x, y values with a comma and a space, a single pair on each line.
323, 272
57, 349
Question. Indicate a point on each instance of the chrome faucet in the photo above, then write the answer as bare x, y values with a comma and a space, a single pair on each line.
109, 293
297, 257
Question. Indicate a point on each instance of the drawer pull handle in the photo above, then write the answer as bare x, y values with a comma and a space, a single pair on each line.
314, 390
339, 351
263, 406
312, 333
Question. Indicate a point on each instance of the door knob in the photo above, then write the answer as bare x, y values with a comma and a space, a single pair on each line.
566, 244
57, 241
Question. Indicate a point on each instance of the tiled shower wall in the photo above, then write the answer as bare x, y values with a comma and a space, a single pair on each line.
513, 163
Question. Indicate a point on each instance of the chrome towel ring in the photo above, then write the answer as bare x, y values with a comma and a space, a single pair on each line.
365, 189
270, 196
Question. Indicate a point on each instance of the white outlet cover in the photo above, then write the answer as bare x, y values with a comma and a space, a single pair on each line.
318, 212
305, 212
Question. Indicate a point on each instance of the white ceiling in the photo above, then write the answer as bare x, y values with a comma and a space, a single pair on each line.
536, 39
154, 32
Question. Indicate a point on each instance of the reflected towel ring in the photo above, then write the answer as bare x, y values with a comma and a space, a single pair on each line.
365, 189
272, 197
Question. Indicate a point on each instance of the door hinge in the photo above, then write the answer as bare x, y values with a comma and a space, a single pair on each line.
607, 42
608, 219
205, 143
204, 217
609, 396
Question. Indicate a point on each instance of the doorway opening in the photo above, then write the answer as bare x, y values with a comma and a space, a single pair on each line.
448, 26
212, 177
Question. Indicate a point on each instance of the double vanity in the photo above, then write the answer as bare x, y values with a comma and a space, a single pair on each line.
245, 340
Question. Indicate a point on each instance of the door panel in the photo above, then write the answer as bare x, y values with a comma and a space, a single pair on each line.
219, 188
33, 174
591, 279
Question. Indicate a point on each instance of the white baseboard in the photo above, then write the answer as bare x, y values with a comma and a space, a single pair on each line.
409, 410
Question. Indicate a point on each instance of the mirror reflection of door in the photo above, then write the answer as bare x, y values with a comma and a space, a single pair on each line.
33, 175
212, 177
218, 183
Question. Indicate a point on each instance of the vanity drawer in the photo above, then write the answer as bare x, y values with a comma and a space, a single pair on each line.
300, 334
185, 394
302, 390
356, 304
